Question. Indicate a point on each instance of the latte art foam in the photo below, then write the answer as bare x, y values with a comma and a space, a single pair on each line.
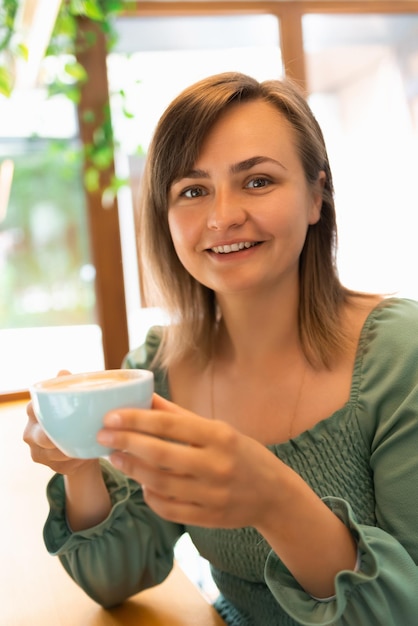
87, 382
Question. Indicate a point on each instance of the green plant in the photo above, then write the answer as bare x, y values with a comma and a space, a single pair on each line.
10, 45
66, 40
66, 43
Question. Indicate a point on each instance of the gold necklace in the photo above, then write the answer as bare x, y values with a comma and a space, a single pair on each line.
298, 397
297, 401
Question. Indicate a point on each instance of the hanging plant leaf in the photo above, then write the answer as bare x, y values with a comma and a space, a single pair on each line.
76, 71
6, 82
113, 6
119, 183
87, 8
102, 156
92, 179
110, 193
89, 116
22, 51
70, 91
8, 11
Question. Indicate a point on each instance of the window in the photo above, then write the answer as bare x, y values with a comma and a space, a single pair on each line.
362, 73
47, 313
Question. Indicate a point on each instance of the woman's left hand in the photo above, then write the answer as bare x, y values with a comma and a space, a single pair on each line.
193, 470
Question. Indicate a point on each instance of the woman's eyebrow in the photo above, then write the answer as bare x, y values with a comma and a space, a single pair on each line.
192, 174
247, 164
236, 168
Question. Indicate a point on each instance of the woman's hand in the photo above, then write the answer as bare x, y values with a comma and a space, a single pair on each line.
44, 451
205, 473
193, 470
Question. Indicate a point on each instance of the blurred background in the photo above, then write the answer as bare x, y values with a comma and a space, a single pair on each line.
77, 122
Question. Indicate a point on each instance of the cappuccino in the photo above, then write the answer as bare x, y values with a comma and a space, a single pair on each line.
71, 408
91, 380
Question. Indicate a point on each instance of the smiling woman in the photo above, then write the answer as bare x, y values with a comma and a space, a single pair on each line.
290, 426
250, 215
291, 372
229, 169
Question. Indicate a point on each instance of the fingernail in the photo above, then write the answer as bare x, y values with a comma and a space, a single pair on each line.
112, 420
105, 437
116, 461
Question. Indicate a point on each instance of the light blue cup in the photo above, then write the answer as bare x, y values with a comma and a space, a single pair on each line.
71, 408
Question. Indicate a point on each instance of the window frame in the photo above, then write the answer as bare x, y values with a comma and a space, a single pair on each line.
104, 224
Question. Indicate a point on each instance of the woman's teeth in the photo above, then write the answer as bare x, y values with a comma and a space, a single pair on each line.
233, 247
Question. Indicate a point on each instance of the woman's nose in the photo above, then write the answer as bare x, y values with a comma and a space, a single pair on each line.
226, 211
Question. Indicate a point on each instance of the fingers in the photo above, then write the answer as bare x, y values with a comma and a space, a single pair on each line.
42, 449
34, 433
176, 510
144, 451
156, 439
161, 404
165, 440
180, 498
189, 466
172, 471
181, 426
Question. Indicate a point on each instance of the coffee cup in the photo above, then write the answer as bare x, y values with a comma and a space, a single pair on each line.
71, 408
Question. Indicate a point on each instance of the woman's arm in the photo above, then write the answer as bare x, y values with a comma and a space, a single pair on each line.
204, 473
197, 471
87, 500
311, 540
130, 550
384, 589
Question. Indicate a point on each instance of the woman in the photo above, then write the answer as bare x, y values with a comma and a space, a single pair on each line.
283, 437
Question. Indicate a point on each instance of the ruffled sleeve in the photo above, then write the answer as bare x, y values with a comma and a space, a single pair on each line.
131, 549
384, 590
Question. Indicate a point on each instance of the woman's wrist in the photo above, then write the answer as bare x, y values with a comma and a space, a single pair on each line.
311, 541
87, 500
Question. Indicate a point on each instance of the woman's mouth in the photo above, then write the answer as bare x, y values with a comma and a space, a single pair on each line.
233, 247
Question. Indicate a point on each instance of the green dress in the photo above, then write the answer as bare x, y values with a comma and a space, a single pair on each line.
362, 461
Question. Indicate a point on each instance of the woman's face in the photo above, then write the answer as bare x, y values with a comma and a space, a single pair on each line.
239, 218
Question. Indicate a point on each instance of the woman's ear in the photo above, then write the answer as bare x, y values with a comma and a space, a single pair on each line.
317, 197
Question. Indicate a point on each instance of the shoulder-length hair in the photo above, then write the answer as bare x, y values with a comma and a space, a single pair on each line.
174, 150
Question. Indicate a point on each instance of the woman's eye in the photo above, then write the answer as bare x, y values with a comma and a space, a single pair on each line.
193, 192
257, 183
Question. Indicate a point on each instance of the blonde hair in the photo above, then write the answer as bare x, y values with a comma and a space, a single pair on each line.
174, 150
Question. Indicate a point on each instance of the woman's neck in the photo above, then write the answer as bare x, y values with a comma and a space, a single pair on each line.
258, 327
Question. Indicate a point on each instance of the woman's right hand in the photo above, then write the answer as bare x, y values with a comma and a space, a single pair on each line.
44, 451
87, 501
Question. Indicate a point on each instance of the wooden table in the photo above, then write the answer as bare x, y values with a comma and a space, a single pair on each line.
34, 588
